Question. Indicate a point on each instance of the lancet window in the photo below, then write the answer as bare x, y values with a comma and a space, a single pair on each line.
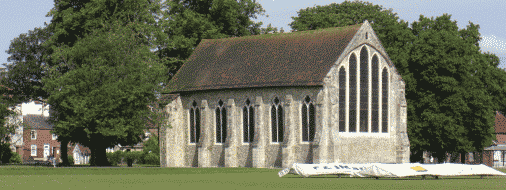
277, 121
353, 94
384, 106
194, 123
342, 100
364, 89
308, 120
375, 95
248, 122
221, 123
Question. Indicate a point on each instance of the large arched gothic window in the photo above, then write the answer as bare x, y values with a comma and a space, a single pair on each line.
364, 89
248, 122
194, 123
375, 94
221, 123
384, 106
308, 120
353, 93
277, 121
342, 100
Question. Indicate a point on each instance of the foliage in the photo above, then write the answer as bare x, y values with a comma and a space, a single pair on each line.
104, 96
5, 152
187, 22
108, 42
28, 56
115, 157
452, 89
8, 124
15, 158
152, 159
151, 145
70, 159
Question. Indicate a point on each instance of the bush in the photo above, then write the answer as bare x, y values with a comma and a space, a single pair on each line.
152, 159
137, 156
71, 159
15, 158
115, 158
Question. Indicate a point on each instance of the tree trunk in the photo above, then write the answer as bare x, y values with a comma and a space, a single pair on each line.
129, 160
64, 153
98, 156
463, 158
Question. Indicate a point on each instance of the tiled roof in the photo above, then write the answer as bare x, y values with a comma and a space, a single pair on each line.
36, 121
268, 60
500, 123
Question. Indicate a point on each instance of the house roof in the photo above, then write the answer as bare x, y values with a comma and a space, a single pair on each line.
288, 59
36, 122
500, 123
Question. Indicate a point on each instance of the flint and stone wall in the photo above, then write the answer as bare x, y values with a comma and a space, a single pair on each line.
329, 145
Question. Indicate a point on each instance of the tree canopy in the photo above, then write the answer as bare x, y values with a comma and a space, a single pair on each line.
104, 96
187, 22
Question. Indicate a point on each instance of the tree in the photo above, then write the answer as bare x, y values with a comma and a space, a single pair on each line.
72, 20
187, 22
103, 97
24, 73
450, 99
8, 124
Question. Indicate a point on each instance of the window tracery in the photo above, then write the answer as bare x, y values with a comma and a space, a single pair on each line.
194, 123
248, 122
308, 120
221, 123
277, 121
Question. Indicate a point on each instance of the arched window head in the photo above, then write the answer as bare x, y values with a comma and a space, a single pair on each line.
247, 102
220, 103
276, 101
194, 103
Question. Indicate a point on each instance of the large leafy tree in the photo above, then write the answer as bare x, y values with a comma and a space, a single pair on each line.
452, 106
72, 20
452, 89
187, 22
102, 100
32, 53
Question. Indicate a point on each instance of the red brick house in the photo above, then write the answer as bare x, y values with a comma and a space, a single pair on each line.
39, 143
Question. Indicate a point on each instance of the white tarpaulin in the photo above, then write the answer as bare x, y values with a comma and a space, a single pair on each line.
390, 170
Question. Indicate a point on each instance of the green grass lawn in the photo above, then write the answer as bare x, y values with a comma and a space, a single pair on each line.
144, 178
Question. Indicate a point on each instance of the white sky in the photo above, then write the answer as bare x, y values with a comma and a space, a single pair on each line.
19, 16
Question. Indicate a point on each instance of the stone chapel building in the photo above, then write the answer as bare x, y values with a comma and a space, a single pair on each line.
321, 96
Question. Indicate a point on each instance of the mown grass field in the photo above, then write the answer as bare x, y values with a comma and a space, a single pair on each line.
144, 178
